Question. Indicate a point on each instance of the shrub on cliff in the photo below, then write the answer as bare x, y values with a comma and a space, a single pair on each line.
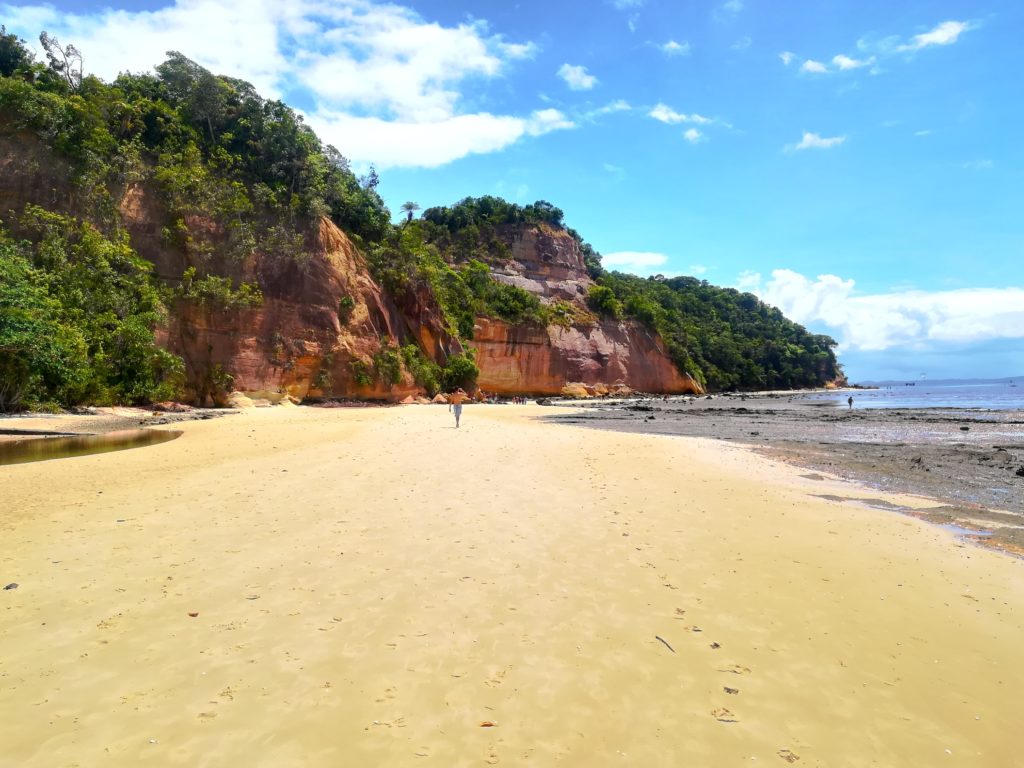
41, 360
460, 371
78, 312
603, 301
425, 372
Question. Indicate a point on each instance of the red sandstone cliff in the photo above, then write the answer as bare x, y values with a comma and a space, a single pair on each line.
606, 357
323, 317
601, 355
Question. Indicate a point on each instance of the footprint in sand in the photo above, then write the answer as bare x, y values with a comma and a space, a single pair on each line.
788, 755
389, 693
723, 715
497, 679
736, 669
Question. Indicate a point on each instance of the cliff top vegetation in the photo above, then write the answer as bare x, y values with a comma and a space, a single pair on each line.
238, 174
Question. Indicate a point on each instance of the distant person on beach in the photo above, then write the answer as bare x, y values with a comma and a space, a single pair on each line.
849, 402
455, 401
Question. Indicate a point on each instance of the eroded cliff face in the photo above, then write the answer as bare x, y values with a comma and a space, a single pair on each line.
602, 356
319, 320
324, 320
543, 261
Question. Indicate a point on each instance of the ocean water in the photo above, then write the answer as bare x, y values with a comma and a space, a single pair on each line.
995, 395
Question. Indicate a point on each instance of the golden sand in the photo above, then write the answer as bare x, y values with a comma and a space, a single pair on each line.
371, 586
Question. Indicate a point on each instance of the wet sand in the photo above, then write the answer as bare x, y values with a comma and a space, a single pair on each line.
315, 587
97, 421
970, 462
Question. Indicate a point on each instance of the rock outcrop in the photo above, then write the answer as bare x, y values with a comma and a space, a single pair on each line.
543, 261
324, 322
321, 323
539, 360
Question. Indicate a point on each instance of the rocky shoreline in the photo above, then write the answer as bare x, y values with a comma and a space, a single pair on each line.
970, 461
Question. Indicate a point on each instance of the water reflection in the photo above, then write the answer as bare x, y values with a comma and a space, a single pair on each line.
45, 448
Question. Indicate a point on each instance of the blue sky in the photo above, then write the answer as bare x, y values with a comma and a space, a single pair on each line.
856, 163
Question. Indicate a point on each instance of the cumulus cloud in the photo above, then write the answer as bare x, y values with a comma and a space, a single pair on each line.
673, 48
814, 141
898, 319
665, 114
619, 105
692, 135
577, 77
385, 85
840, 63
403, 144
946, 33
845, 62
638, 262
813, 66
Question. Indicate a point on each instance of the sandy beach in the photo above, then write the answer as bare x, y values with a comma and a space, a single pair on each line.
371, 587
969, 461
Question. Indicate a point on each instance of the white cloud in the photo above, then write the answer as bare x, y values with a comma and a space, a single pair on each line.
978, 165
624, 5
392, 143
926, 132
214, 34
846, 63
610, 108
615, 171
638, 262
946, 33
546, 120
898, 319
577, 77
692, 135
697, 269
665, 114
672, 48
385, 85
742, 44
732, 7
620, 105
814, 141
813, 66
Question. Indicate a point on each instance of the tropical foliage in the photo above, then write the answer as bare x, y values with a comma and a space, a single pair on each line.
238, 174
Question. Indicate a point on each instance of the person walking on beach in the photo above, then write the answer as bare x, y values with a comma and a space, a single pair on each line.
849, 402
455, 401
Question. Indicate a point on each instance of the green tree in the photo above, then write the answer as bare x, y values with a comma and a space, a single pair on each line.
410, 208
66, 62
602, 300
41, 359
460, 371
14, 55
